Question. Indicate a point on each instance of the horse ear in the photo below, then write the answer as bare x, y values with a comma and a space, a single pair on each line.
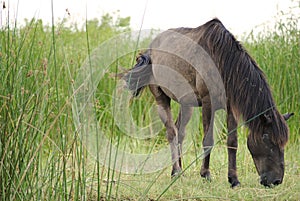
287, 115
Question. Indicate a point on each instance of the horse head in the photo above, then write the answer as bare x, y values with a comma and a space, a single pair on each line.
267, 148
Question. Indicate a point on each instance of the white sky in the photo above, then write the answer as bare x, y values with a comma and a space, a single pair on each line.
239, 16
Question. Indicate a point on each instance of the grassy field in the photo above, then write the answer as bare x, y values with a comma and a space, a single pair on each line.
43, 155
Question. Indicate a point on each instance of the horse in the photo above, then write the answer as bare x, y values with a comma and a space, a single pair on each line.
191, 66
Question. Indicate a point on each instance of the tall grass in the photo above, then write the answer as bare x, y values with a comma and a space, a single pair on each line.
278, 54
42, 156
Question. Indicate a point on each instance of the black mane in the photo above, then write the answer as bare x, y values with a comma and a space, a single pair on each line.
245, 83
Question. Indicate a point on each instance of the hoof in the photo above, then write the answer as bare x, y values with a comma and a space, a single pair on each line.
235, 183
175, 173
206, 174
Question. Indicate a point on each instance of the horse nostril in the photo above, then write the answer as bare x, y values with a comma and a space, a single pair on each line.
277, 182
264, 181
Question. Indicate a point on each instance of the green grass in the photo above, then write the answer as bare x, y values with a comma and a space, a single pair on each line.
43, 155
191, 186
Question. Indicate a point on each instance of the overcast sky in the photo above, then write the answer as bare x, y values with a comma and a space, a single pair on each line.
240, 16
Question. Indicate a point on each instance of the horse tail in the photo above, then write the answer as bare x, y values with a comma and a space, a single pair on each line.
140, 75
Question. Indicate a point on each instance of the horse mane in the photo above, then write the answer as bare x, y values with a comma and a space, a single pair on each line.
246, 87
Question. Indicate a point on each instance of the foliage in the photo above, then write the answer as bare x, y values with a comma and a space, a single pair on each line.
42, 157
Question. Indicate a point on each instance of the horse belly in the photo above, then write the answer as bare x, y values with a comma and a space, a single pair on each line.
180, 83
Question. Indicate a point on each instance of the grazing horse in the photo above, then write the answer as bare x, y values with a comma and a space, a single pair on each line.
168, 67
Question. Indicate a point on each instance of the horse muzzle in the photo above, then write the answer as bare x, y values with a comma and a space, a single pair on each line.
268, 182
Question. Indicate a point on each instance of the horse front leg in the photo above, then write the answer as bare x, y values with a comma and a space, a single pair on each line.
232, 145
181, 122
208, 139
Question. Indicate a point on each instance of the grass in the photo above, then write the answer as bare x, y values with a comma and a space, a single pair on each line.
191, 186
43, 155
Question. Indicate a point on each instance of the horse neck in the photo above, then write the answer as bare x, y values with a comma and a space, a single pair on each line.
246, 87
247, 90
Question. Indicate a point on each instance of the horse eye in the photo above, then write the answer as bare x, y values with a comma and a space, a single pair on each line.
265, 137
266, 140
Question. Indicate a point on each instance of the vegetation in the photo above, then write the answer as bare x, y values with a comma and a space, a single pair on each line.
42, 154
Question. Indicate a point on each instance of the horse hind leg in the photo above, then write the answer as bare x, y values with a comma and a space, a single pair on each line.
164, 111
208, 140
181, 122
